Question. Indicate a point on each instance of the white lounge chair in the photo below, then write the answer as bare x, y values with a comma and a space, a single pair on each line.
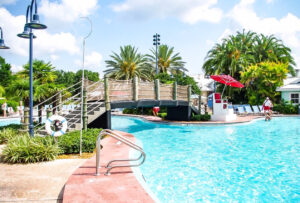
241, 111
256, 110
248, 109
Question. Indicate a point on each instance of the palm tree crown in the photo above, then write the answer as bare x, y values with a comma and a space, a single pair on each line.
128, 64
236, 53
167, 60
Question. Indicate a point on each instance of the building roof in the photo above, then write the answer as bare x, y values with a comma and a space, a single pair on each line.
290, 84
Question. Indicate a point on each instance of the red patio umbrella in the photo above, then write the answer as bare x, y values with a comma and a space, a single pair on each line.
227, 80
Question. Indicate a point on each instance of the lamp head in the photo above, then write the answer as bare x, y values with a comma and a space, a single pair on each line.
35, 23
26, 33
2, 45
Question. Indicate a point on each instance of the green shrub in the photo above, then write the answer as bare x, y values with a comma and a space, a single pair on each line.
26, 149
69, 143
9, 132
204, 117
162, 115
143, 111
285, 107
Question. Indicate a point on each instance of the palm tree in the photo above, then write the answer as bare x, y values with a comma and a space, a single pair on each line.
167, 60
235, 53
128, 64
44, 72
231, 56
269, 48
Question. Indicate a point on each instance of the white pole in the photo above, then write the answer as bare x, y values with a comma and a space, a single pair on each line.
82, 82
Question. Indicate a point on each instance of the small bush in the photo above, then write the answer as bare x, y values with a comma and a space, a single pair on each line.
69, 143
204, 117
9, 132
285, 107
143, 111
162, 115
26, 149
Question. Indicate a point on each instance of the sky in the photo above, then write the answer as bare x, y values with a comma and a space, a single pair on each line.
192, 27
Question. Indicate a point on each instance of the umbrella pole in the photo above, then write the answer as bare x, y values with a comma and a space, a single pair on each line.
223, 91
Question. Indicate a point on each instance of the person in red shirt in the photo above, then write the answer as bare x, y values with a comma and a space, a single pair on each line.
155, 111
267, 109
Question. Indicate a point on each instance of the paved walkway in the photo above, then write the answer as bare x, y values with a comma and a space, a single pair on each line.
40, 182
121, 186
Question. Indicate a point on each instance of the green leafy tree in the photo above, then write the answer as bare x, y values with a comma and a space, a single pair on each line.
127, 64
239, 51
168, 61
262, 79
66, 78
90, 75
6, 75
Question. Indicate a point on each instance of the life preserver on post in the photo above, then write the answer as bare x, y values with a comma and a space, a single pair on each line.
58, 120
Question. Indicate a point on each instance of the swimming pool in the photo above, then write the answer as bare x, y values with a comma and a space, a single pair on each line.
4, 122
257, 161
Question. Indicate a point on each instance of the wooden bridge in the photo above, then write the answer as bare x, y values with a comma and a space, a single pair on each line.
99, 98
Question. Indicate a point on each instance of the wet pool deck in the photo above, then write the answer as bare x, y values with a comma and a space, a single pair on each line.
121, 186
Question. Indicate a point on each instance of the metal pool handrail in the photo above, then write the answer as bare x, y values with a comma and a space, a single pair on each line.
123, 140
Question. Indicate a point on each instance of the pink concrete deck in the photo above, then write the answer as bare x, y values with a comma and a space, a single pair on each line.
120, 186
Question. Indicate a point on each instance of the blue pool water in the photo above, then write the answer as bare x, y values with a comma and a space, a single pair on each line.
4, 122
254, 162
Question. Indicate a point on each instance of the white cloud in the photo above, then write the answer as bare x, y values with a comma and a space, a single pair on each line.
54, 57
5, 2
270, 1
286, 28
53, 43
16, 68
67, 10
92, 61
188, 11
45, 43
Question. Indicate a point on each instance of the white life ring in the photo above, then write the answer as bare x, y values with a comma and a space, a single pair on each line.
62, 120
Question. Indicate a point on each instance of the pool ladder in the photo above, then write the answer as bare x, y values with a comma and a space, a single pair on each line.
123, 140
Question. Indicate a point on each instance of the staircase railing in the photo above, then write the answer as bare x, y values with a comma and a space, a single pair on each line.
71, 96
124, 140
56, 102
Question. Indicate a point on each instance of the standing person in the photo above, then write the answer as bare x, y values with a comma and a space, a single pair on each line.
267, 109
4, 106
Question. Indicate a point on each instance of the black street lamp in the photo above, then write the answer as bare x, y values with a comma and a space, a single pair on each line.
27, 34
2, 45
156, 42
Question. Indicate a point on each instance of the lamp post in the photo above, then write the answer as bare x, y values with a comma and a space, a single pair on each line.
156, 43
82, 83
32, 22
2, 45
